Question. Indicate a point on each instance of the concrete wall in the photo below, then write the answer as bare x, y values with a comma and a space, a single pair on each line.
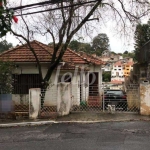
145, 99
133, 99
34, 103
64, 99
20, 99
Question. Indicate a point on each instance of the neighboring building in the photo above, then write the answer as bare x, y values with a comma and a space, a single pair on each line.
117, 73
127, 68
109, 58
26, 74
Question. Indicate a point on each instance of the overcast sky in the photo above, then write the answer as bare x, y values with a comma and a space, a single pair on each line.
117, 43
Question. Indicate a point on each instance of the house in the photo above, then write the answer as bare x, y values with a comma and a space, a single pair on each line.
117, 73
128, 67
83, 72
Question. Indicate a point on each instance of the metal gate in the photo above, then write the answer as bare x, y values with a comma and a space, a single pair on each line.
95, 100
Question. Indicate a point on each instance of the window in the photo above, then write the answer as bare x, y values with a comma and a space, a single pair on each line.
23, 82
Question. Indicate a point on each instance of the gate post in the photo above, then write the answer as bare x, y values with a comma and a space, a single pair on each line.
34, 103
64, 99
145, 98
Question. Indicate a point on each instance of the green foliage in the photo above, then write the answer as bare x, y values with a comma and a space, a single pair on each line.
129, 54
106, 76
83, 103
126, 52
141, 36
4, 45
113, 52
79, 46
5, 77
5, 18
100, 43
74, 45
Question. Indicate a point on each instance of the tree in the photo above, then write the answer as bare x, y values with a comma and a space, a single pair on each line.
62, 20
4, 45
74, 45
106, 76
126, 52
129, 54
141, 36
6, 82
79, 46
100, 43
6, 17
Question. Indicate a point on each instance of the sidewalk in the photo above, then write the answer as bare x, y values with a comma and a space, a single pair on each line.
83, 117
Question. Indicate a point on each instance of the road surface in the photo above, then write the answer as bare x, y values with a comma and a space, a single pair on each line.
133, 135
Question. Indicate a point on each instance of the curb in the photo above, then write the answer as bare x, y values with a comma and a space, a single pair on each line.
26, 124
21, 124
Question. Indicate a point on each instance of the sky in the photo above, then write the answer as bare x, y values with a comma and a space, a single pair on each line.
118, 43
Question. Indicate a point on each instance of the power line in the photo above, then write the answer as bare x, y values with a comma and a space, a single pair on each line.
36, 4
52, 9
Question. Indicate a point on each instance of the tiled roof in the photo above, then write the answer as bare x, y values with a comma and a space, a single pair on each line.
68, 66
23, 54
130, 63
92, 59
44, 54
116, 82
118, 63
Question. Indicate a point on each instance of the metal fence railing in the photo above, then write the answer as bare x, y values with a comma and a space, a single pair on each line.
96, 100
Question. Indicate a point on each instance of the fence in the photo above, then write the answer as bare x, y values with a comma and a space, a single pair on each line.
48, 100
97, 100
83, 98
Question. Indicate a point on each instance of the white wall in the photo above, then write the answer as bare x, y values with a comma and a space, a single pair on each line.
51, 94
20, 99
119, 70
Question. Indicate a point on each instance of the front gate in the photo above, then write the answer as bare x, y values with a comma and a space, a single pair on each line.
95, 100
92, 99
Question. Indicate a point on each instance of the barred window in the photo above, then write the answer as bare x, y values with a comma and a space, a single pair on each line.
23, 82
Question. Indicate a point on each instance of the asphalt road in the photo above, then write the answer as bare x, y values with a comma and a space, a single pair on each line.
70, 136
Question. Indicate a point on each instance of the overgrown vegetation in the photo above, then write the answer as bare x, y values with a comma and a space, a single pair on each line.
141, 36
106, 76
6, 81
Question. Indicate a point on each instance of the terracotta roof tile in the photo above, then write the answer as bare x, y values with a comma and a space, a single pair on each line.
44, 53
116, 82
118, 63
69, 66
